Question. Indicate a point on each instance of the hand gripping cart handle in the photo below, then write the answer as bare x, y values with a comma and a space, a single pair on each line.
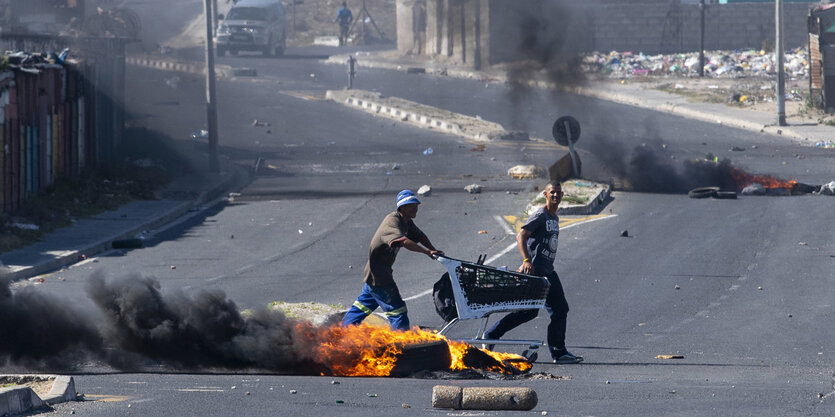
480, 290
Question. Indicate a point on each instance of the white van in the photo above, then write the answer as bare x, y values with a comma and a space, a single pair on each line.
253, 25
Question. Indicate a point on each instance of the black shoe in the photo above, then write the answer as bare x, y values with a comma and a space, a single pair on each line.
565, 357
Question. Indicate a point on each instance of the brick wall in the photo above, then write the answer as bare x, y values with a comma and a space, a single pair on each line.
544, 30
670, 28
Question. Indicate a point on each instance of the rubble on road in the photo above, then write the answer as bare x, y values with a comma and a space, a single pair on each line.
424, 190
520, 172
473, 188
828, 189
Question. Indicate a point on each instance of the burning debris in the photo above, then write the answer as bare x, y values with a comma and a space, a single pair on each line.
138, 324
644, 170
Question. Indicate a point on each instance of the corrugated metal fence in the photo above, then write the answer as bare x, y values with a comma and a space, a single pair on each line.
57, 119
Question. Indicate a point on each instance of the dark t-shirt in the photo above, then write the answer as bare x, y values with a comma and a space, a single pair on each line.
384, 247
544, 239
344, 16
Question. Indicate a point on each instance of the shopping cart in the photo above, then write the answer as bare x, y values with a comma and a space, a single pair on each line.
480, 290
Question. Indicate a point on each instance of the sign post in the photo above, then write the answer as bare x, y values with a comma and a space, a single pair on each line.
566, 132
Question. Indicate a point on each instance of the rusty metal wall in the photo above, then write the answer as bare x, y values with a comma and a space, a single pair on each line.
59, 119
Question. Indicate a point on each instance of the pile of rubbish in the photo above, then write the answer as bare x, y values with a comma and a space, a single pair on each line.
726, 64
29, 62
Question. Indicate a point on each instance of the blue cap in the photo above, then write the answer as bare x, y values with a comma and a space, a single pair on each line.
406, 197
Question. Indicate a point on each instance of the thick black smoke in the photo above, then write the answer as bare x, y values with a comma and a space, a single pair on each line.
649, 168
40, 331
547, 39
137, 325
199, 332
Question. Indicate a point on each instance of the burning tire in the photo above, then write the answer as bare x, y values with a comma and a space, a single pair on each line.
429, 356
703, 192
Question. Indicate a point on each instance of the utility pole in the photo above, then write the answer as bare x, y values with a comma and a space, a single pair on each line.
702, 38
778, 53
211, 108
477, 36
214, 13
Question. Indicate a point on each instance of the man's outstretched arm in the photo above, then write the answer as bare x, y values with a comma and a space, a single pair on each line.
427, 248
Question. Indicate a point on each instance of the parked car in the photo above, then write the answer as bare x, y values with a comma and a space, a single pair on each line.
253, 25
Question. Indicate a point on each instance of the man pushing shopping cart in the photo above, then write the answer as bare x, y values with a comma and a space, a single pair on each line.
537, 243
474, 291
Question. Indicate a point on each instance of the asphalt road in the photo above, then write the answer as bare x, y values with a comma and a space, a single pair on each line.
739, 288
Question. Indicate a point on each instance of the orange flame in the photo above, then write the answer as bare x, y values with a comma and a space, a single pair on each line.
459, 350
366, 350
744, 179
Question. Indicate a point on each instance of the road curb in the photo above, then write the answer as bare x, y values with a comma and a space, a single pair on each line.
595, 202
63, 390
177, 66
423, 116
22, 399
15, 400
72, 256
605, 92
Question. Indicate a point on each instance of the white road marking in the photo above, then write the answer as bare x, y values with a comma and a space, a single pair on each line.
504, 225
200, 390
587, 221
427, 292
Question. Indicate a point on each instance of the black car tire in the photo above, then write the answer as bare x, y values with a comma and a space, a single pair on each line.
703, 192
726, 195
429, 356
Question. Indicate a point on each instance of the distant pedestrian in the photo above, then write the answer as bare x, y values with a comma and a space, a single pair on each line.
537, 243
344, 17
396, 231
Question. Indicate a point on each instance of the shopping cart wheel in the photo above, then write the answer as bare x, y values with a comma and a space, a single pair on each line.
530, 354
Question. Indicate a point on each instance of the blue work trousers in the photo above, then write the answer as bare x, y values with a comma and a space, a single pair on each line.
557, 308
387, 298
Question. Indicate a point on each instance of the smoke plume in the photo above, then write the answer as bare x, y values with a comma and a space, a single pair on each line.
137, 324
544, 41
42, 331
647, 167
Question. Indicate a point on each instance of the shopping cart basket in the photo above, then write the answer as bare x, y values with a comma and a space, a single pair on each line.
480, 290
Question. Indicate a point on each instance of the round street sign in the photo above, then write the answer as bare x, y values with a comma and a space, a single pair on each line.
561, 134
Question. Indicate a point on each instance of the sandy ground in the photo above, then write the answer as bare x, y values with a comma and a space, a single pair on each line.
752, 93
41, 385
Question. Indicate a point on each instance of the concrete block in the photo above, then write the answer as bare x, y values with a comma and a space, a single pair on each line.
483, 398
63, 390
18, 399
